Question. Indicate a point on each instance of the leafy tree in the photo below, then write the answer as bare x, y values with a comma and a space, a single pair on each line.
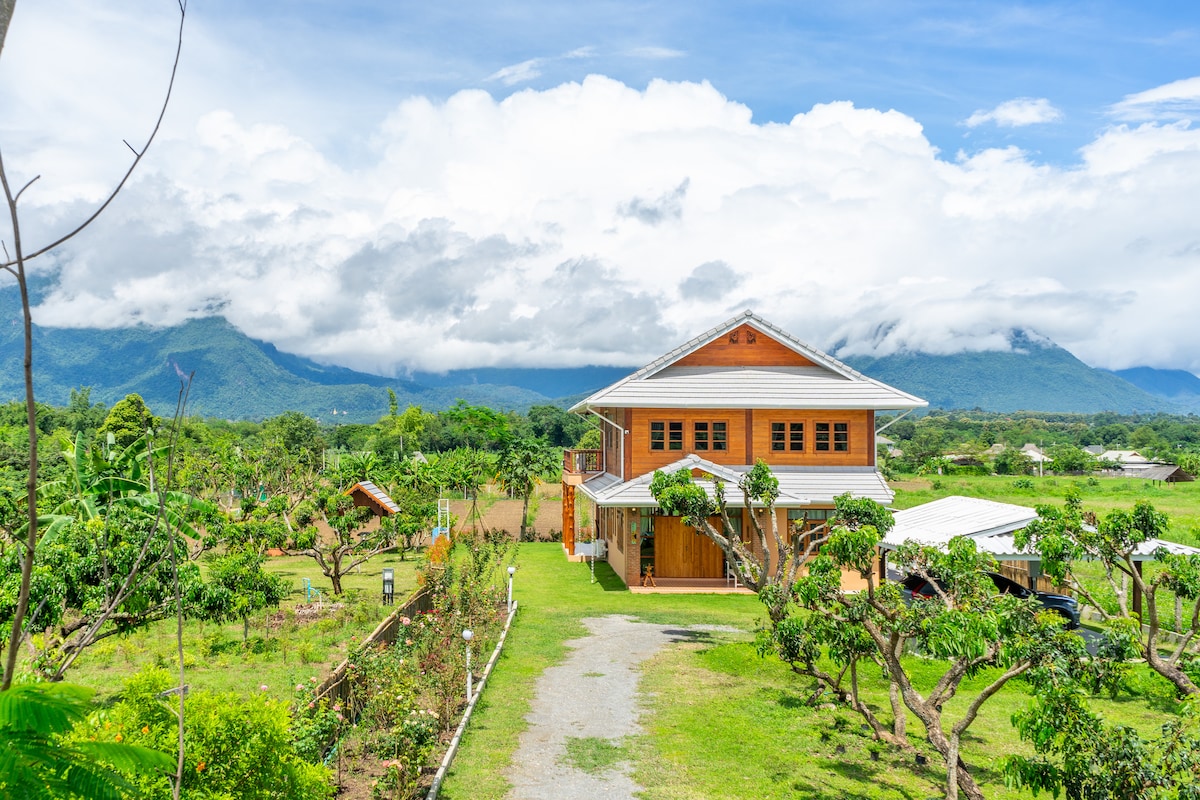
1080, 754
238, 586
298, 435
1011, 461
968, 626
417, 514
128, 421
1062, 539
591, 439
1068, 458
556, 426
767, 564
521, 467
350, 543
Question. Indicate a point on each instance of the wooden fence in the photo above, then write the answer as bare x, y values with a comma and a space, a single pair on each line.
336, 687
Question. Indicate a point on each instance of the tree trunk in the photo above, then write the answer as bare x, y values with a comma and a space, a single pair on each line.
525, 513
899, 712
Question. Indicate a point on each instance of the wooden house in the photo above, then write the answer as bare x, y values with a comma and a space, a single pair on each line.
742, 391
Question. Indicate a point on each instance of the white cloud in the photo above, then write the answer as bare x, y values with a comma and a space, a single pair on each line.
655, 53
593, 222
1017, 113
1176, 100
518, 73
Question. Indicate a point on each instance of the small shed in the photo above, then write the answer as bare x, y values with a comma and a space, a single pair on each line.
1162, 472
366, 493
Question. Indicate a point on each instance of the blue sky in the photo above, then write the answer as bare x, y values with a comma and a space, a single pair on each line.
395, 186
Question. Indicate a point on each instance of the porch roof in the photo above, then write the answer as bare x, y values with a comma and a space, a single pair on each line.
798, 486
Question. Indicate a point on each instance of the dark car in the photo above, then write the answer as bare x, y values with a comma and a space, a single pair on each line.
1067, 607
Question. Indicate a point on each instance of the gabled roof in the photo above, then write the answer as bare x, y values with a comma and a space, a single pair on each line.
381, 498
798, 486
826, 384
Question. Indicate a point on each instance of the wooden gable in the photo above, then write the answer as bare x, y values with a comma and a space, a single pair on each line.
744, 346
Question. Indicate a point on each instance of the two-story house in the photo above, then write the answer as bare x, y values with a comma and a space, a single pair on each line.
743, 391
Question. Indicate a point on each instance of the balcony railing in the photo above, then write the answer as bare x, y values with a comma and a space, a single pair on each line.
581, 462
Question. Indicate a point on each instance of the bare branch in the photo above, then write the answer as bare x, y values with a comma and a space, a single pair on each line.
138, 155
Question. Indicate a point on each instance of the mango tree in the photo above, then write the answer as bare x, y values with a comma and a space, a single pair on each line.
1118, 543
968, 627
349, 541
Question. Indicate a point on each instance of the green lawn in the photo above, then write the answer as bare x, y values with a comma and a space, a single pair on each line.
720, 721
283, 648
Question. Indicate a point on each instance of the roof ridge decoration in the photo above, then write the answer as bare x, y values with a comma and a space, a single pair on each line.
747, 317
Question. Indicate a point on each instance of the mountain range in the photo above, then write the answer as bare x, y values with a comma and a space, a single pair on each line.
236, 377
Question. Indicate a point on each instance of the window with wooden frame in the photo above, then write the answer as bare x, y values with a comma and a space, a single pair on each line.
666, 435
804, 522
710, 436
787, 436
831, 437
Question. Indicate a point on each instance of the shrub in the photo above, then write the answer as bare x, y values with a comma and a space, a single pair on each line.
234, 746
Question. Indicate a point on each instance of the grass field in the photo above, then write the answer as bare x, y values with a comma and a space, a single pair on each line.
719, 721
284, 648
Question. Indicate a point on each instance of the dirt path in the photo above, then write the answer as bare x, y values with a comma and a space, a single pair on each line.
591, 695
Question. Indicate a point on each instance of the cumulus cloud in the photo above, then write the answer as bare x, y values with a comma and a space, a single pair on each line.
1176, 100
710, 279
594, 222
1016, 113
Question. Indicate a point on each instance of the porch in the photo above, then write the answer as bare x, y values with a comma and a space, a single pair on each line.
689, 586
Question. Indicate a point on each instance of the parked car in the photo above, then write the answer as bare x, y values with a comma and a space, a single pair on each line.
1067, 607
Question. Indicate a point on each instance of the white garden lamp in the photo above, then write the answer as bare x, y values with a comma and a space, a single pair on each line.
467, 636
511, 570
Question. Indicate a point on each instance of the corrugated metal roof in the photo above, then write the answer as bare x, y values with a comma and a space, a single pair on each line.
829, 385
990, 524
937, 522
798, 486
379, 495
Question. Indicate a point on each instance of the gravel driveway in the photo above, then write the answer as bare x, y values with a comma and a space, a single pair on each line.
591, 694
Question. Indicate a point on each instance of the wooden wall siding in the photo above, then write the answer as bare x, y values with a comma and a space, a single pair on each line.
762, 352
862, 439
643, 459
680, 552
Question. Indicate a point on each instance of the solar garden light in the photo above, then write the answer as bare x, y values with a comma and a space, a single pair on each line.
467, 636
511, 570
389, 585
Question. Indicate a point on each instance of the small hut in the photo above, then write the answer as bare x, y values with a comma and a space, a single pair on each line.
365, 493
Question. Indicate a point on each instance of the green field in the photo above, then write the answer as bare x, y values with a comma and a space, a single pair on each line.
284, 648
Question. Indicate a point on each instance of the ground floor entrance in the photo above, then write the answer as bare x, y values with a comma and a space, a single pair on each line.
681, 552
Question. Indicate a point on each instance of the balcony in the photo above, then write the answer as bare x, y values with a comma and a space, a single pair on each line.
579, 464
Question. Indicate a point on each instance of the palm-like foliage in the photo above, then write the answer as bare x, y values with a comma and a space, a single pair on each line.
38, 760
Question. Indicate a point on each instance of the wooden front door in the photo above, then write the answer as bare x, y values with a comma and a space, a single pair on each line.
680, 552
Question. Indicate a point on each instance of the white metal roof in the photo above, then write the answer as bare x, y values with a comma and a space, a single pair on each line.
829, 384
798, 486
937, 522
378, 494
990, 524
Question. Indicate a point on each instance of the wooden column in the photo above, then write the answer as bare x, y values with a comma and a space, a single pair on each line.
882, 565
568, 518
